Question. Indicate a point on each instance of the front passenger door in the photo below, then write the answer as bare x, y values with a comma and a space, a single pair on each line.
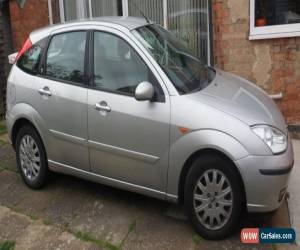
128, 139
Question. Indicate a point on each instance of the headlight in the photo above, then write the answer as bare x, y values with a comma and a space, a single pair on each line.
273, 137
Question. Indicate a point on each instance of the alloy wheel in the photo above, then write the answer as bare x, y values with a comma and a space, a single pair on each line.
213, 199
29, 157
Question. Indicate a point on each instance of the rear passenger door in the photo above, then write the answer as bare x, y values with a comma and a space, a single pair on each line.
61, 99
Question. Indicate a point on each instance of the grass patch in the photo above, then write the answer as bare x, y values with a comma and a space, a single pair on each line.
85, 236
33, 216
8, 168
2, 142
197, 239
3, 129
7, 245
132, 227
47, 222
3, 166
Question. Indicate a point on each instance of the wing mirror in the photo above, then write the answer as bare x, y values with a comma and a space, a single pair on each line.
144, 91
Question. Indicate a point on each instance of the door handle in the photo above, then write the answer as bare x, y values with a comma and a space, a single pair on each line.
102, 107
45, 91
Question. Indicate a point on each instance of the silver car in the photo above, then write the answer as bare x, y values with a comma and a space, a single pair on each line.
122, 102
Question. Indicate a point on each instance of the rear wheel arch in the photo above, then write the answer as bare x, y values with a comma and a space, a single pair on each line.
189, 162
21, 122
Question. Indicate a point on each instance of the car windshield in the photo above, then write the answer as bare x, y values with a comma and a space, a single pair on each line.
186, 71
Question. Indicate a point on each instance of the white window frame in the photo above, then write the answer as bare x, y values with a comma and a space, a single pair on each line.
273, 31
126, 13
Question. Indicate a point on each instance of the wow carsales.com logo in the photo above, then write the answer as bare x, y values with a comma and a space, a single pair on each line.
267, 235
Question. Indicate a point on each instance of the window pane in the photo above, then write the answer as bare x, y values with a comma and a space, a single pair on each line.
76, 9
153, 9
29, 62
65, 57
55, 11
117, 67
186, 72
276, 12
70, 9
107, 8
188, 21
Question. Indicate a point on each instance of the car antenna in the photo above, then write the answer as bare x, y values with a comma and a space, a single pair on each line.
141, 12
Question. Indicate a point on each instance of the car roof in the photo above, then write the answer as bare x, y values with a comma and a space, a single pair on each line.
129, 23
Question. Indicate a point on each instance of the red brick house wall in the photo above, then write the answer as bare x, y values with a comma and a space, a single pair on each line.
274, 64
34, 15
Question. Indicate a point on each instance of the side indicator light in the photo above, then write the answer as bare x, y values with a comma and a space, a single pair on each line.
183, 130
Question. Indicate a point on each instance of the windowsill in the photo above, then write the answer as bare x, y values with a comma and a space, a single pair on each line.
274, 35
271, 31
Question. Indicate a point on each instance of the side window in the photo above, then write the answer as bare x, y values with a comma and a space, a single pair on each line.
65, 57
118, 68
29, 61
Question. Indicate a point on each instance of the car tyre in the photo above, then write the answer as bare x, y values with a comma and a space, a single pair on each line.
213, 196
31, 157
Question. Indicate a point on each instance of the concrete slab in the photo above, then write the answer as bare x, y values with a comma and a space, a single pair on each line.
7, 157
13, 225
294, 190
7, 179
35, 235
4, 138
170, 230
38, 236
15, 191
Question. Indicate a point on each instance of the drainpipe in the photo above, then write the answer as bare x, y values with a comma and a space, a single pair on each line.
276, 96
50, 12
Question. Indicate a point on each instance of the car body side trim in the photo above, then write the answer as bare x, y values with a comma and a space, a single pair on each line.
124, 152
104, 147
63, 168
69, 138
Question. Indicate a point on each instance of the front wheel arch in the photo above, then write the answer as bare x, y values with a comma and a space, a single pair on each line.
189, 162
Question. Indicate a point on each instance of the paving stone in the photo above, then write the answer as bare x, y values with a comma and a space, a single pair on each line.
7, 157
11, 188
69, 197
34, 235
4, 138
13, 225
294, 201
108, 215
38, 236
3, 212
14, 191
160, 232
105, 221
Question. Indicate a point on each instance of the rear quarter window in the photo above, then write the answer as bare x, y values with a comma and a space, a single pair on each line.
30, 60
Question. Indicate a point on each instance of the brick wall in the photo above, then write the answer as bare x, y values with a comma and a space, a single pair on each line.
34, 15
2, 65
274, 64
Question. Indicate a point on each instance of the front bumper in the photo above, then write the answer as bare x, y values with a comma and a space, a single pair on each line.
266, 179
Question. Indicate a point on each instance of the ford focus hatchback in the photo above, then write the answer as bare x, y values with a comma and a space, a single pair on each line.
122, 102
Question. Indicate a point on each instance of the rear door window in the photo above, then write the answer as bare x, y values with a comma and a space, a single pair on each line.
66, 56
